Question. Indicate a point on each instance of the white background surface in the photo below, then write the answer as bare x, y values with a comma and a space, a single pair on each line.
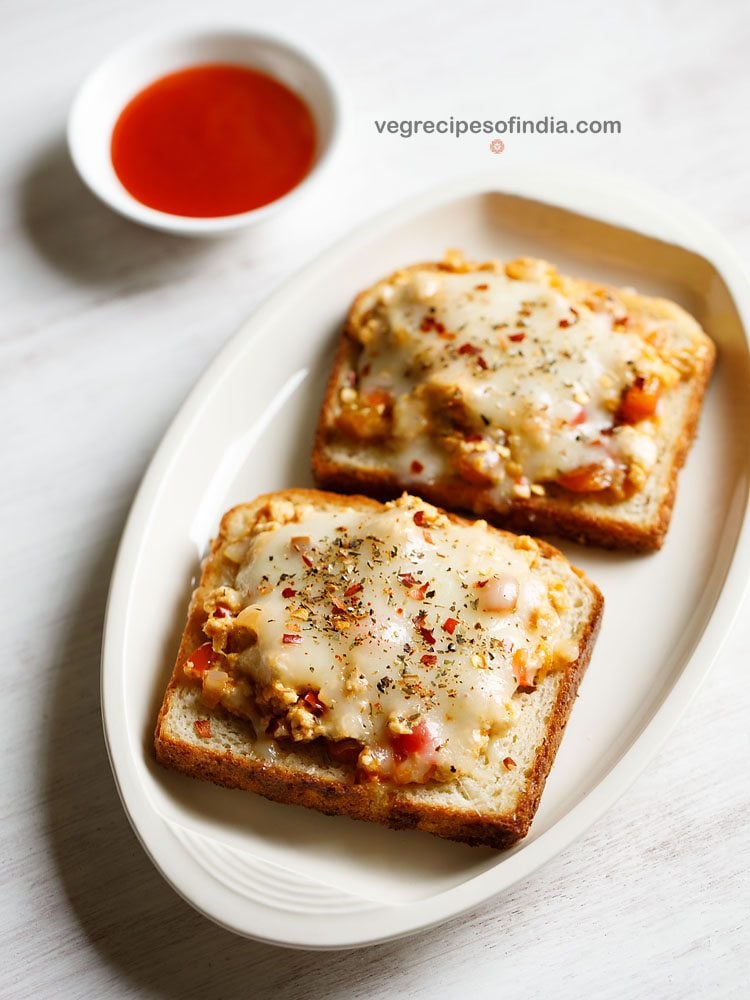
105, 327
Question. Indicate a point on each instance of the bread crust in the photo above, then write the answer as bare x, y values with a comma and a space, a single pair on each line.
339, 795
558, 513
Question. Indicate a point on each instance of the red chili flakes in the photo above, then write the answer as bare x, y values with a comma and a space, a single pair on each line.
288, 592
449, 625
417, 467
509, 763
481, 288
473, 437
420, 519
314, 703
291, 638
468, 349
482, 363
517, 337
301, 544
481, 583
427, 635
408, 579
222, 611
569, 322
203, 728
429, 323
429, 659
354, 589
417, 593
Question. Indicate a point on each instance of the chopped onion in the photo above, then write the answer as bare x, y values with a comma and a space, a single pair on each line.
500, 593
214, 682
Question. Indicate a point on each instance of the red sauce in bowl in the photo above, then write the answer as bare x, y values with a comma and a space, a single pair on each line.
213, 140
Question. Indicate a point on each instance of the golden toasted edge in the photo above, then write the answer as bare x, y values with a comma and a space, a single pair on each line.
372, 801
538, 515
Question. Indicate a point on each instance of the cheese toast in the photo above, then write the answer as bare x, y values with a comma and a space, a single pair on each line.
545, 403
391, 663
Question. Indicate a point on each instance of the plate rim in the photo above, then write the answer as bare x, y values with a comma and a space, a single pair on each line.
586, 193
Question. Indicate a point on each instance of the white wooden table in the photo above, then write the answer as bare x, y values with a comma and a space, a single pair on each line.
105, 327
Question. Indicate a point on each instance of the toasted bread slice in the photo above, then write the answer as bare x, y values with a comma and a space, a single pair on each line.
545, 403
387, 663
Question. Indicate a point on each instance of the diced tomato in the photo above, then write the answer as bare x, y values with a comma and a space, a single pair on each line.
640, 400
202, 659
291, 638
314, 703
418, 741
587, 478
449, 625
288, 592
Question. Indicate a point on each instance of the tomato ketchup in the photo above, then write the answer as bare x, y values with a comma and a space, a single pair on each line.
213, 140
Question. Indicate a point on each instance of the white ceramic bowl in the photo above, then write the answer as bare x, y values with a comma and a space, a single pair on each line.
107, 90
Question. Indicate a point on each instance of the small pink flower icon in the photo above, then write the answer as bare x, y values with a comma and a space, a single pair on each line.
497, 146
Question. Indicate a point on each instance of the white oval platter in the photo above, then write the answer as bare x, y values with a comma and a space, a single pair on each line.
291, 876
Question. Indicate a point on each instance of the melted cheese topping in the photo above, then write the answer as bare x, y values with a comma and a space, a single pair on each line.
507, 376
367, 625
